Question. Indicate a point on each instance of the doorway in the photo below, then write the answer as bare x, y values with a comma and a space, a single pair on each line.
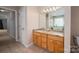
8, 21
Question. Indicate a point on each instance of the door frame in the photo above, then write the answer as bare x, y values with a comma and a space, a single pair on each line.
16, 21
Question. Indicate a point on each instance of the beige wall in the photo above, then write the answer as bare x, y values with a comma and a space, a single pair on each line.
30, 19
32, 23
75, 20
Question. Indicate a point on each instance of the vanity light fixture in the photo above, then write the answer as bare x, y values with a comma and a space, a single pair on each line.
44, 10
50, 9
47, 10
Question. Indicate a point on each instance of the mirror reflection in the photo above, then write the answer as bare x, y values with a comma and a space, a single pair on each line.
52, 18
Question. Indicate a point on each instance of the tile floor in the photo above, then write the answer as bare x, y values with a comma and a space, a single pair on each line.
9, 45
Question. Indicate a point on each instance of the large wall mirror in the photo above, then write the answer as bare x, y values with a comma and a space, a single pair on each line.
52, 18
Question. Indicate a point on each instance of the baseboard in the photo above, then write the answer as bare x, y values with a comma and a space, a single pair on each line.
11, 36
28, 45
66, 50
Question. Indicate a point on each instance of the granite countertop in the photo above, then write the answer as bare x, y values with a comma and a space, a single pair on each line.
51, 32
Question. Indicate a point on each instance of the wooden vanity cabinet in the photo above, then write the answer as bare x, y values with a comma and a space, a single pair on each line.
34, 37
50, 43
37, 38
44, 40
55, 43
59, 44
59, 47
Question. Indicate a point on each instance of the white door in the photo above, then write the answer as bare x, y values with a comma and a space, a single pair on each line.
21, 24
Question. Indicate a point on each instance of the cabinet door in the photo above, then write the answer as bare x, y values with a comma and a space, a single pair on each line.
44, 40
37, 38
50, 44
34, 39
39, 41
59, 46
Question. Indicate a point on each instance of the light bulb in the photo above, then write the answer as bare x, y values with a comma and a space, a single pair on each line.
54, 8
47, 10
50, 9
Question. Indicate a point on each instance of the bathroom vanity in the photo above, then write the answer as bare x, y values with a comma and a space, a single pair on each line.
50, 32
50, 40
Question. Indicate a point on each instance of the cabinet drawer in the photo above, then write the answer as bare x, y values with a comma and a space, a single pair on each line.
34, 39
43, 35
36, 33
54, 37
59, 39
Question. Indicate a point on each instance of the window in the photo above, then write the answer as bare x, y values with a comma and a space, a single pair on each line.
58, 21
